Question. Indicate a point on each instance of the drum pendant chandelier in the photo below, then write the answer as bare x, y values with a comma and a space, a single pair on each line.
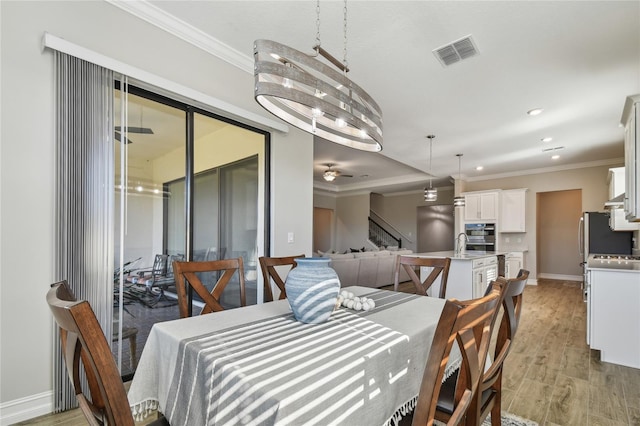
313, 96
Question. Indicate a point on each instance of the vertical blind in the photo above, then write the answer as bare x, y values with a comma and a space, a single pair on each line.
83, 195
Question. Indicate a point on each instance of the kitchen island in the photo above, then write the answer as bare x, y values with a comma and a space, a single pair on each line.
469, 275
612, 294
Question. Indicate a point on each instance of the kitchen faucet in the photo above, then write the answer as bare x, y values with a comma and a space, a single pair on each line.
460, 247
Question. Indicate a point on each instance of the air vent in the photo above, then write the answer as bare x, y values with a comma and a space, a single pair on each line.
457, 51
555, 148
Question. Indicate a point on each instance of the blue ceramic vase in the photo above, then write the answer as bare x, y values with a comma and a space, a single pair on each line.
312, 289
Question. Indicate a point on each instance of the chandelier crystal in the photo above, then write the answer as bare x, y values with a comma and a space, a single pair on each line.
313, 96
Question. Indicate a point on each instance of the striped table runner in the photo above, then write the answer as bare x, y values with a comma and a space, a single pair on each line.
356, 368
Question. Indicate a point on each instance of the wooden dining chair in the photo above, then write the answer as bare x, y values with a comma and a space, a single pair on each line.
412, 267
81, 337
268, 266
469, 324
191, 273
488, 398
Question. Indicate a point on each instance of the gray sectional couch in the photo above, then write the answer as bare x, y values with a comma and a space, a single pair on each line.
368, 269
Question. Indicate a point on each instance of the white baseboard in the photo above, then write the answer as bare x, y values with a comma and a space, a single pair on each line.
532, 281
561, 277
26, 408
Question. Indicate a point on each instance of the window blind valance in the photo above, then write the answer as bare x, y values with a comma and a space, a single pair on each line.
174, 90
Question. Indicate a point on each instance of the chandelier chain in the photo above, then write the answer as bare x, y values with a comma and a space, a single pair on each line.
318, 23
344, 60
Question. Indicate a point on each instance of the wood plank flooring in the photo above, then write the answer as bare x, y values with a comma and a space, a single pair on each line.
551, 376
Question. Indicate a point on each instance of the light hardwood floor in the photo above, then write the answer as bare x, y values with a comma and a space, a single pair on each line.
551, 376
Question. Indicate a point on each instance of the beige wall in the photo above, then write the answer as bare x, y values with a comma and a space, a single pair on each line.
352, 223
591, 180
401, 211
324, 201
26, 193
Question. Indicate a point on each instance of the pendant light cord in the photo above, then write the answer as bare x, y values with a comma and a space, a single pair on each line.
318, 23
430, 160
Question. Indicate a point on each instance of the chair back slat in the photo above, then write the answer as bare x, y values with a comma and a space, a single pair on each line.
411, 265
268, 266
186, 273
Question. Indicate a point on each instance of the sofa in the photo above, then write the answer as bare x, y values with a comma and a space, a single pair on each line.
368, 268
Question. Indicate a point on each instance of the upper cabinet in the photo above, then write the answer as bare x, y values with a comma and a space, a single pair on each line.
481, 206
617, 220
512, 210
631, 123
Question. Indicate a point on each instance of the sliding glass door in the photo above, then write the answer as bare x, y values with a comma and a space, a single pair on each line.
189, 186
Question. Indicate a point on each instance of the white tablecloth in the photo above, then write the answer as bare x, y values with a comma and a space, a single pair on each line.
258, 365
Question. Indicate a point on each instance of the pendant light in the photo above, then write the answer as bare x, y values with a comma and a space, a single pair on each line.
459, 201
430, 193
309, 94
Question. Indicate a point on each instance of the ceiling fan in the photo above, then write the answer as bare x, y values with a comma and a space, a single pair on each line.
330, 174
132, 129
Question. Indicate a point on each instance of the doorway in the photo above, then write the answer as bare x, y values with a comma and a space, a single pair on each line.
322, 229
558, 214
435, 228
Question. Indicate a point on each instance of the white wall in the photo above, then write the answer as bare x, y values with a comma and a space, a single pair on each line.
27, 166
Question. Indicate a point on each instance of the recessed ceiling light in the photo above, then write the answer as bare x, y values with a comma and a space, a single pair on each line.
479, 168
534, 111
555, 157
547, 139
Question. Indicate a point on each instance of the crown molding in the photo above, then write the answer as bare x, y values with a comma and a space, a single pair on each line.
597, 163
154, 15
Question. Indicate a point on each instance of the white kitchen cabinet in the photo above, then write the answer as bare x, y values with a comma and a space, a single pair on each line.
512, 210
485, 270
513, 262
631, 122
614, 315
618, 221
481, 206
468, 276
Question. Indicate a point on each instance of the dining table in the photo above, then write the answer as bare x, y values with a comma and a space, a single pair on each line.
258, 365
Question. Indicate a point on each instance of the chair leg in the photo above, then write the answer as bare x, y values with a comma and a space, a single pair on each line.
496, 410
132, 350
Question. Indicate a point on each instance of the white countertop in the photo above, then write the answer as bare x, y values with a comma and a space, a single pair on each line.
467, 255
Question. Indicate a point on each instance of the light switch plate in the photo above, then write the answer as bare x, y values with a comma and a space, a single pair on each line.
290, 237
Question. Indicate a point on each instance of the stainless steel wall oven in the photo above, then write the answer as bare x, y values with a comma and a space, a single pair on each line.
480, 236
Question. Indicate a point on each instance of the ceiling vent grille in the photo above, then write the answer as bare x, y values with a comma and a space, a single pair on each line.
555, 148
456, 51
